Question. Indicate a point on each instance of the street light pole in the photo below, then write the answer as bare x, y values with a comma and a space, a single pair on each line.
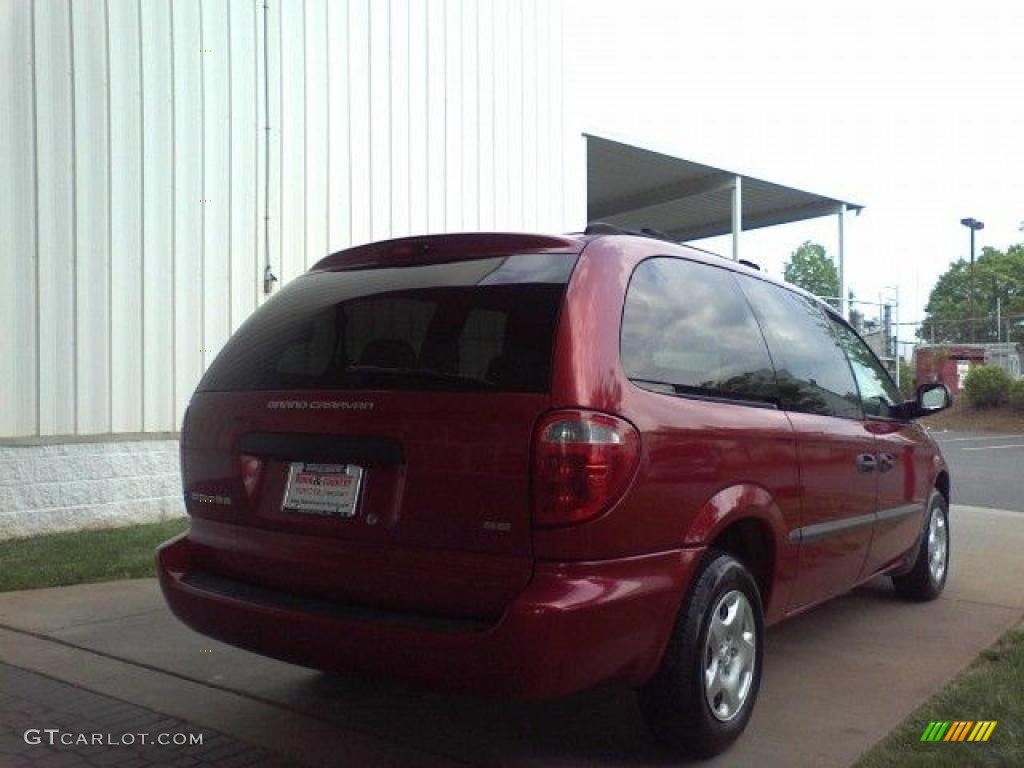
974, 225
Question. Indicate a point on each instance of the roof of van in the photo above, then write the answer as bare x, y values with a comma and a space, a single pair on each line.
459, 246
710, 257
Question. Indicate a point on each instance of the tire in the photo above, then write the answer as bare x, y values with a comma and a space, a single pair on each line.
674, 703
927, 578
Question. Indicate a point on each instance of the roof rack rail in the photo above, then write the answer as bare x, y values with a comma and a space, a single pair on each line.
602, 228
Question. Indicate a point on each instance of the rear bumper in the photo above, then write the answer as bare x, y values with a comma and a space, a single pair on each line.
574, 626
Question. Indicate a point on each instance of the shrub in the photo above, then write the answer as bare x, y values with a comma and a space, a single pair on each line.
1016, 396
987, 386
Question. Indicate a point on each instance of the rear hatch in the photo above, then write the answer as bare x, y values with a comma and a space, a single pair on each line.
365, 435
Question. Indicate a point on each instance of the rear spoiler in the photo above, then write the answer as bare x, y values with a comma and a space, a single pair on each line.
428, 249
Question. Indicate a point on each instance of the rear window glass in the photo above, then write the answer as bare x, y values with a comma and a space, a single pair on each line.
483, 324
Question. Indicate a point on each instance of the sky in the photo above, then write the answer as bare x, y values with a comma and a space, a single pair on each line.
912, 109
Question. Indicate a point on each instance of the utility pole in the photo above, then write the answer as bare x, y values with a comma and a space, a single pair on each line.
999, 319
974, 225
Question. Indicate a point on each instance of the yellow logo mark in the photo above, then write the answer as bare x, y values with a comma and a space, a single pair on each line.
958, 730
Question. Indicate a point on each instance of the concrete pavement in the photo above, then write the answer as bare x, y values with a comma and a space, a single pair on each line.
836, 679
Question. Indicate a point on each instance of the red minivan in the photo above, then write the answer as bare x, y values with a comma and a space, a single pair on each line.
524, 465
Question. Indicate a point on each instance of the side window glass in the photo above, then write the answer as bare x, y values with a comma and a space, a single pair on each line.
687, 329
812, 371
878, 393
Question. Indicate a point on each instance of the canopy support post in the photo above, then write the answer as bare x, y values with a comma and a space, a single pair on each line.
737, 216
841, 219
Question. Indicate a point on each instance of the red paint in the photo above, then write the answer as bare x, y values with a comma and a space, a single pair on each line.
444, 248
557, 608
573, 626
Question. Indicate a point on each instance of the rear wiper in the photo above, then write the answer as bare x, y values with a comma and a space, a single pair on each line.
420, 373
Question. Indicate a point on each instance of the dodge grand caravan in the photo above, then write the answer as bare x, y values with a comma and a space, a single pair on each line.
523, 465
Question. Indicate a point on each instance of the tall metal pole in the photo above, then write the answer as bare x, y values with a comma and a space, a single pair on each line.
737, 216
842, 262
896, 338
974, 225
971, 290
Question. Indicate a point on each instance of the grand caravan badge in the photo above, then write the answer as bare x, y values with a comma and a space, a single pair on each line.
320, 405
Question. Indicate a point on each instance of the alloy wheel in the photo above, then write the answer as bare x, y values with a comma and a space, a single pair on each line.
730, 654
938, 545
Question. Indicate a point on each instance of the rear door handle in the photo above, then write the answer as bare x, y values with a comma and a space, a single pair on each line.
886, 461
866, 462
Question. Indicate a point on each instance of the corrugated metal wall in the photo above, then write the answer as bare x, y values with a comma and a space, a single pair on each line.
131, 153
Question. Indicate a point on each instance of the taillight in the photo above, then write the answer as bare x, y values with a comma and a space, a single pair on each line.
582, 464
251, 468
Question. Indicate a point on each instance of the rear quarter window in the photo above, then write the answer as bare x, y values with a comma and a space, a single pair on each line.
687, 329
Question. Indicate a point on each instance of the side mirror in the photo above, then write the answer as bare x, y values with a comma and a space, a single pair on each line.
931, 398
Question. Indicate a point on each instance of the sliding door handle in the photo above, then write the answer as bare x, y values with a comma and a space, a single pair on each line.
866, 462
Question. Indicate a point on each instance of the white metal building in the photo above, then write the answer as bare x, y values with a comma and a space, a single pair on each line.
160, 157
134, 152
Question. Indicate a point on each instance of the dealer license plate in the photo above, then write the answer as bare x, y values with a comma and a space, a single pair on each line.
323, 489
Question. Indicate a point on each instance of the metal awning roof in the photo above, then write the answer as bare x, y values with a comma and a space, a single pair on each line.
636, 188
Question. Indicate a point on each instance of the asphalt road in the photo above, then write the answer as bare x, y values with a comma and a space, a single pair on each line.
987, 469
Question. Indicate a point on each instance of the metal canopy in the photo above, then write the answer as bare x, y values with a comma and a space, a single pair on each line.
634, 188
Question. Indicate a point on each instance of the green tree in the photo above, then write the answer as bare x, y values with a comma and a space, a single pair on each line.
908, 387
813, 270
996, 274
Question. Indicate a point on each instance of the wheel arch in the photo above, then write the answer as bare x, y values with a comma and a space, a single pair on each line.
745, 521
